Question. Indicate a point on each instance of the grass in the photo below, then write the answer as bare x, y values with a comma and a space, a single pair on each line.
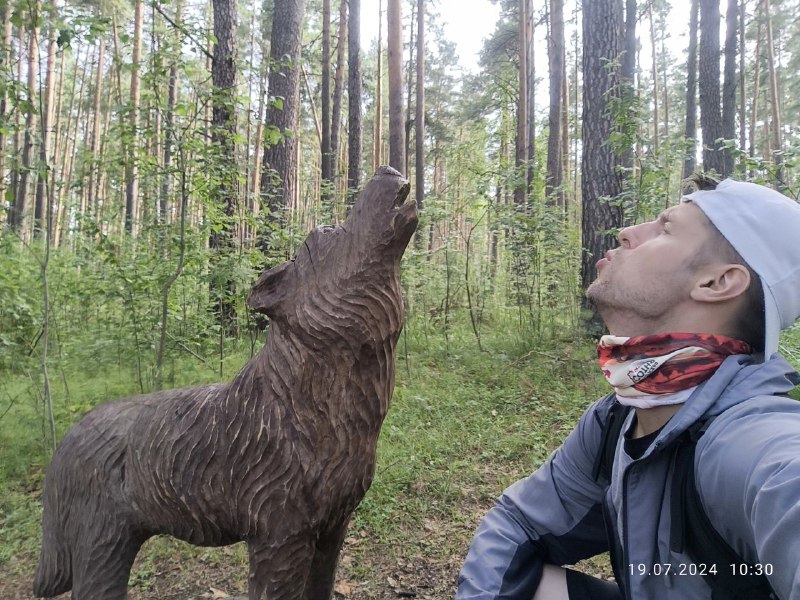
463, 425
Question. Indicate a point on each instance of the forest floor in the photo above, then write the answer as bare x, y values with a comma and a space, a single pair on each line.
462, 426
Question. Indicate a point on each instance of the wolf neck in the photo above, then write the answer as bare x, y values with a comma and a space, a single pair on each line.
333, 384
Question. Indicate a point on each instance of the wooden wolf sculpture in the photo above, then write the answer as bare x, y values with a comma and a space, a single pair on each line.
279, 457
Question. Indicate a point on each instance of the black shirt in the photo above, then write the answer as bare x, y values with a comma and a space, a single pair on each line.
636, 447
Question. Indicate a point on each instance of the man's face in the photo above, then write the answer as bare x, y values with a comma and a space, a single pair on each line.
642, 285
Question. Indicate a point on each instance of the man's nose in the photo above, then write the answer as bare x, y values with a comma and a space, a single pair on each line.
625, 237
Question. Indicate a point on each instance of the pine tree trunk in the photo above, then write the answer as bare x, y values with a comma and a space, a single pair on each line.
5, 63
600, 179
627, 77
58, 165
397, 157
742, 73
530, 120
259, 137
409, 81
338, 89
132, 167
729, 82
555, 152
93, 178
520, 189
709, 75
378, 133
14, 167
751, 151
565, 159
654, 69
419, 147
169, 117
44, 178
354, 117
20, 221
776, 126
223, 130
223, 116
280, 155
690, 129
325, 150
68, 152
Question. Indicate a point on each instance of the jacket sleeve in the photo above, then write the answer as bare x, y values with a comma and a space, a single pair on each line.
554, 516
748, 478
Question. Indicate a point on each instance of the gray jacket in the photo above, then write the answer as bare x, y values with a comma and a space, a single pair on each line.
748, 478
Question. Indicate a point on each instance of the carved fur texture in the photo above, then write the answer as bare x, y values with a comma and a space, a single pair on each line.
279, 457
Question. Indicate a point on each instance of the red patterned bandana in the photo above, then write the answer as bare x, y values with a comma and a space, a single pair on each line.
664, 363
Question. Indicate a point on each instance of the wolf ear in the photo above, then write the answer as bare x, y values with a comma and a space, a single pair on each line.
271, 288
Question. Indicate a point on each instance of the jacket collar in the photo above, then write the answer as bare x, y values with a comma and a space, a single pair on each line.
739, 378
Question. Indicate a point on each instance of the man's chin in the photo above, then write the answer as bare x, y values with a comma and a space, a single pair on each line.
594, 291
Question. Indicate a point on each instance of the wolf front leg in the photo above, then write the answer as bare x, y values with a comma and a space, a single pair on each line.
323, 569
280, 570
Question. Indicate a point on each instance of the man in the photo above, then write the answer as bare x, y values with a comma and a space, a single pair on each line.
694, 302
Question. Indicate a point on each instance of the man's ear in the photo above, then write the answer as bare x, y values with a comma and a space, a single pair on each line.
271, 288
721, 282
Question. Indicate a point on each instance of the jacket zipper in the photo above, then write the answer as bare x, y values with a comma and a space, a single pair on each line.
624, 520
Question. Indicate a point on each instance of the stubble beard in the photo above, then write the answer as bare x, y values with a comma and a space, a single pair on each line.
629, 307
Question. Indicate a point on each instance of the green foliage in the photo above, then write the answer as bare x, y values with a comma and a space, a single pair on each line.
20, 305
463, 426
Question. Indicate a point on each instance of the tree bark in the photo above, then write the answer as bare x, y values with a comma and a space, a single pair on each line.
729, 82
754, 94
654, 70
69, 151
132, 168
742, 73
44, 176
325, 159
555, 152
377, 149
710, 114
223, 116
94, 147
530, 119
58, 164
409, 81
223, 128
776, 126
280, 153
172, 99
690, 129
14, 215
627, 76
354, 117
5, 63
520, 189
397, 124
20, 208
419, 149
600, 180
338, 88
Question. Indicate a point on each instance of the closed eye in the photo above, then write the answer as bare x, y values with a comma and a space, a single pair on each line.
665, 222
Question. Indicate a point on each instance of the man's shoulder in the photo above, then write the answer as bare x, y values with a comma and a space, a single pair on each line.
759, 410
744, 438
